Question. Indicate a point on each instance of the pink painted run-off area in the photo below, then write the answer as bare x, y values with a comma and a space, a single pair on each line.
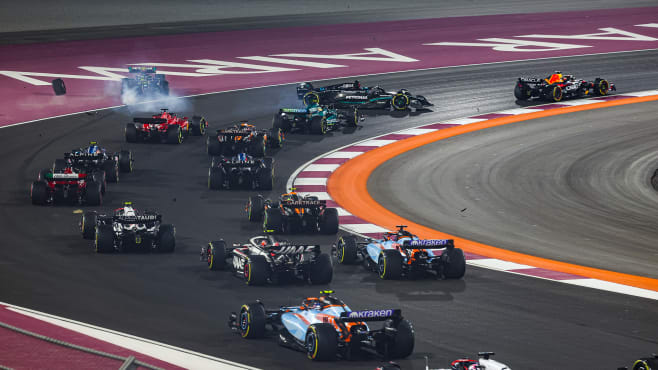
20, 351
596, 31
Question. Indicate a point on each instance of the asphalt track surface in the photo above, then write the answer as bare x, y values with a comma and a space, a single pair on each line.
44, 20
172, 298
574, 188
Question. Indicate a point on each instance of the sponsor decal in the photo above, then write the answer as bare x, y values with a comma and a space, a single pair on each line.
294, 110
430, 243
295, 249
304, 203
367, 314
359, 97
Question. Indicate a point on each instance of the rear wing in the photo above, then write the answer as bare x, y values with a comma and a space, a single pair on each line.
429, 244
294, 249
371, 315
81, 156
530, 80
298, 111
304, 203
150, 121
233, 133
239, 164
141, 219
141, 69
65, 176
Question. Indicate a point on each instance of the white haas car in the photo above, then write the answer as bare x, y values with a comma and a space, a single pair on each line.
265, 259
484, 362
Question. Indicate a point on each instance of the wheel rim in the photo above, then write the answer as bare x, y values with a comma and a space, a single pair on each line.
210, 258
311, 340
244, 322
247, 271
382, 266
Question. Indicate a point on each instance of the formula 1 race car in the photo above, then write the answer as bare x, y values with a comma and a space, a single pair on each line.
292, 214
315, 119
558, 86
264, 259
144, 82
326, 328
402, 253
127, 229
165, 127
241, 171
63, 184
484, 362
350, 94
94, 158
244, 138
644, 363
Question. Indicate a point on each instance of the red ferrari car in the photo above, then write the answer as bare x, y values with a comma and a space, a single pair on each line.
165, 126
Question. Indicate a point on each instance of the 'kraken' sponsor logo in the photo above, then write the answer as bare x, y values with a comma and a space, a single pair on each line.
430, 243
367, 314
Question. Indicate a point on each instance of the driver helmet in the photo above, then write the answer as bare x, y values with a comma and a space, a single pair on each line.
242, 157
128, 209
391, 236
312, 303
93, 148
244, 124
357, 84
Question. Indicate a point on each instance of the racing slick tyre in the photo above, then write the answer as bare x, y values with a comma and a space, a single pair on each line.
104, 239
252, 320
59, 87
521, 92
39, 192
273, 221
198, 125
321, 270
43, 173
166, 242
389, 264
88, 225
266, 178
100, 177
329, 221
93, 194
646, 364
311, 98
346, 250
174, 135
555, 94
213, 146
125, 161
321, 342
352, 119
280, 123
131, 133
400, 101
258, 148
276, 137
318, 126
601, 86
215, 178
59, 165
111, 169
256, 270
255, 208
217, 255
403, 342
456, 264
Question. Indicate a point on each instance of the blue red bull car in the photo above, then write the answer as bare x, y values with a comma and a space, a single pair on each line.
400, 253
325, 328
558, 86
